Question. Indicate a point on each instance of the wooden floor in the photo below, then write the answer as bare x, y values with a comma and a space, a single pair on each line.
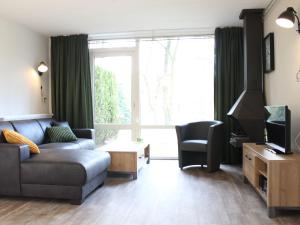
162, 195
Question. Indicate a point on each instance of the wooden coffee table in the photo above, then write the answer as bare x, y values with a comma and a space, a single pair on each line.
128, 157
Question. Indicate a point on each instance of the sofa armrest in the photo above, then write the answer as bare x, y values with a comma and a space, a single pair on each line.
85, 133
11, 155
14, 151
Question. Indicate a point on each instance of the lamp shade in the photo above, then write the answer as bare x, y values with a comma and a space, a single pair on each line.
287, 18
42, 68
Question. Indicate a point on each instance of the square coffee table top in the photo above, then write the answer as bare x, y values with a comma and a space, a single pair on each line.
129, 146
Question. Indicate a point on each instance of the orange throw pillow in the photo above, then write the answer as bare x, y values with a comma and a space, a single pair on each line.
13, 137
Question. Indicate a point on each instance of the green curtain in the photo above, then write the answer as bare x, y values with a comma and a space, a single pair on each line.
229, 82
71, 80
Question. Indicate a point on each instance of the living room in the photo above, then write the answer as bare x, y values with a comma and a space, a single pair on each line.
145, 112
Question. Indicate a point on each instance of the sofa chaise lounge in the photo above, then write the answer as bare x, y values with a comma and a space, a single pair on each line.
61, 171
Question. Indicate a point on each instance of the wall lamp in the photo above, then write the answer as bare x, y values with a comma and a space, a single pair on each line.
287, 19
42, 68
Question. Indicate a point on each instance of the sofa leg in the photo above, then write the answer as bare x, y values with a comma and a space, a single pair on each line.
76, 201
101, 185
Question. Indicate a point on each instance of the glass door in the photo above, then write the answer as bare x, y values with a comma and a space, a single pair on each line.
114, 96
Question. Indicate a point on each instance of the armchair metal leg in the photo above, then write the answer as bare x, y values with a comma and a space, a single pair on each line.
180, 165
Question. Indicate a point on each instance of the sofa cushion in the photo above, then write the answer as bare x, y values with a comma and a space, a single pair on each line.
44, 123
61, 145
30, 129
60, 124
60, 134
13, 137
85, 143
194, 145
4, 125
67, 168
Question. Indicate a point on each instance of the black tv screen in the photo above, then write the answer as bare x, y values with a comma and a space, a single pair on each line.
277, 122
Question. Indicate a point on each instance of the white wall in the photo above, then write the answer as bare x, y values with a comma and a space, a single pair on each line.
281, 85
20, 52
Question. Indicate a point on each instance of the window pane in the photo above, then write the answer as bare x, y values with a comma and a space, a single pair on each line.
112, 94
176, 80
163, 142
105, 135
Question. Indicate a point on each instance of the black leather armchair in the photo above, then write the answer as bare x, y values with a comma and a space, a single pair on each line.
200, 143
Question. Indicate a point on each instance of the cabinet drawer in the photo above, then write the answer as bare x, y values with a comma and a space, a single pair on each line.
248, 156
249, 172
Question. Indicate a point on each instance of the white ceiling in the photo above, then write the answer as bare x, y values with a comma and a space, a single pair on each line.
56, 17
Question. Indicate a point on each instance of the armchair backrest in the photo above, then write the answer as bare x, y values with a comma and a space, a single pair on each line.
199, 130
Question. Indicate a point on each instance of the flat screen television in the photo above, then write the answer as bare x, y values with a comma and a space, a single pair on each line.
278, 128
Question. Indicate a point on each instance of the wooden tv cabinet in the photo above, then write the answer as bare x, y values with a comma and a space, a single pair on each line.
280, 173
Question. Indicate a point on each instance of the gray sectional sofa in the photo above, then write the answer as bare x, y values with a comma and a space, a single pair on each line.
61, 171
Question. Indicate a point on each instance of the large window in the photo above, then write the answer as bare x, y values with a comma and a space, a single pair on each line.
142, 88
176, 81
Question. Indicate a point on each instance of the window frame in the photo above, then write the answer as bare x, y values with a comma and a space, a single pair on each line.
136, 127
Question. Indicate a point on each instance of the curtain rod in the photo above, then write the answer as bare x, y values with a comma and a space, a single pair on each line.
155, 38
153, 34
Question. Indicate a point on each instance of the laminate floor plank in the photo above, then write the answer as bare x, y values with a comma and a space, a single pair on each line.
162, 195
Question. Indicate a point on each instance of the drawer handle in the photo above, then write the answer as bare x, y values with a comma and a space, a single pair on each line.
247, 157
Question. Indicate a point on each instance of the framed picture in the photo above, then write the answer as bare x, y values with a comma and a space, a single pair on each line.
269, 63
